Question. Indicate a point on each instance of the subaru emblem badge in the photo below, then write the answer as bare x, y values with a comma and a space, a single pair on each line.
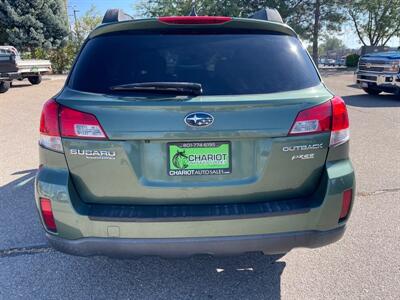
199, 119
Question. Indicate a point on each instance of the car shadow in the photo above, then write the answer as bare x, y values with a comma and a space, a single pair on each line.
251, 275
354, 86
19, 220
365, 100
248, 276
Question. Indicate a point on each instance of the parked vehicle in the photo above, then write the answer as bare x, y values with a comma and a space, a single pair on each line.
12, 67
379, 72
322, 61
330, 62
341, 62
196, 136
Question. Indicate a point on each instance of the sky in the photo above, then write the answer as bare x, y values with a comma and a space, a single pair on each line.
101, 5
348, 36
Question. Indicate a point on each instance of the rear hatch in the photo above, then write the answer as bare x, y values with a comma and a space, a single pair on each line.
228, 145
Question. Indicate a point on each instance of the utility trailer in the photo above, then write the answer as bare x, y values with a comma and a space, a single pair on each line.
12, 67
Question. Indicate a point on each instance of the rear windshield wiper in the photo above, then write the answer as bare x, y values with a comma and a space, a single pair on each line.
184, 88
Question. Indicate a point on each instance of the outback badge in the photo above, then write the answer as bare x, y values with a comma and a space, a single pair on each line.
199, 119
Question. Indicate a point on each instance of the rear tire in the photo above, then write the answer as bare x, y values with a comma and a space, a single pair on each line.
35, 79
372, 91
4, 86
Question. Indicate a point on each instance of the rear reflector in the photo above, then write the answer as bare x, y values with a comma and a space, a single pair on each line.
47, 214
77, 124
182, 20
346, 203
49, 127
313, 120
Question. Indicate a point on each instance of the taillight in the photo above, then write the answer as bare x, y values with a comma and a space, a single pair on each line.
329, 116
59, 121
313, 120
77, 124
340, 122
47, 214
346, 204
194, 20
49, 127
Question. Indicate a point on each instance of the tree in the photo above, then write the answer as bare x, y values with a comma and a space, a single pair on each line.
85, 24
375, 21
308, 18
155, 8
63, 56
3, 35
331, 43
34, 23
352, 60
315, 17
238, 8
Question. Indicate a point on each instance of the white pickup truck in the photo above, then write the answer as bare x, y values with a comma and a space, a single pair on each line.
12, 67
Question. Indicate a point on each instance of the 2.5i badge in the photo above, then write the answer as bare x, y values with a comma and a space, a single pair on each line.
199, 158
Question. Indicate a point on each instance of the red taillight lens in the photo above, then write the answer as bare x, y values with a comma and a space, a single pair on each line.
313, 120
49, 127
346, 204
49, 118
77, 124
340, 122
47, 214
340, 118
194, 20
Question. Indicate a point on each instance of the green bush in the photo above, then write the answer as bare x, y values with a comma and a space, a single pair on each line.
352, 60
61, 58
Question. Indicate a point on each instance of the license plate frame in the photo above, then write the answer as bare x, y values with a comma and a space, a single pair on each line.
202, 158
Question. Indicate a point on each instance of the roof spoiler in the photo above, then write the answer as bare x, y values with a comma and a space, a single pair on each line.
115, 15
267, 14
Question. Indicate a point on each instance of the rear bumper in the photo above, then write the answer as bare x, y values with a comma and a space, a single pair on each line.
81, 233
182, 247
22, 74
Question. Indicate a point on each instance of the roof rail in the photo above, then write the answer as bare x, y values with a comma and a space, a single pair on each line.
115, 15
267, 14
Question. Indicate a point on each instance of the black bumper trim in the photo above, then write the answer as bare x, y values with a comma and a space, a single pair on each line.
184, 213
183, 247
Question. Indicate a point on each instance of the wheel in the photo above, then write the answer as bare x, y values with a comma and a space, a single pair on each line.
35, 79
4, 86
372, 91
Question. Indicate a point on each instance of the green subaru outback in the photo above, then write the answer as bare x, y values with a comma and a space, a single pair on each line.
177, 136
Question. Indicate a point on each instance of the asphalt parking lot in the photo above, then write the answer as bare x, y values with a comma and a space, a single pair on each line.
365, 264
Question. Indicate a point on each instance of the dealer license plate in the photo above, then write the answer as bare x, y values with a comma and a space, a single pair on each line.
199, 158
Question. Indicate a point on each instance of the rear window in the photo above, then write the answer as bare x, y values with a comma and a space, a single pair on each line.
224, 64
